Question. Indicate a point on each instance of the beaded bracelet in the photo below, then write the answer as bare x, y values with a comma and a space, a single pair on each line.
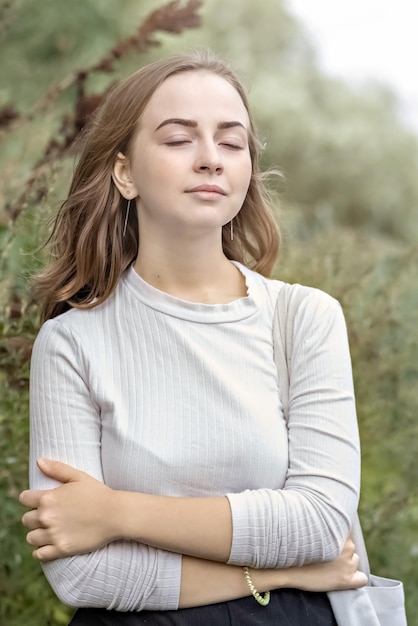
263, 600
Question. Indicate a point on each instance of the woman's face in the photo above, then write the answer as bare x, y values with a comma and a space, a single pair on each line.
189, 165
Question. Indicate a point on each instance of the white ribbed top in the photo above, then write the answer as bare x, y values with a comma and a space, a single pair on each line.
151, 393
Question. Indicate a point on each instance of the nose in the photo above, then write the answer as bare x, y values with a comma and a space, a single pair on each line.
208, 158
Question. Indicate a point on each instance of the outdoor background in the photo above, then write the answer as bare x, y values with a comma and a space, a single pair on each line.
348, 207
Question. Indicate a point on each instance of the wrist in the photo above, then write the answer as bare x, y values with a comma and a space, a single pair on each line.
268, 579
122, 513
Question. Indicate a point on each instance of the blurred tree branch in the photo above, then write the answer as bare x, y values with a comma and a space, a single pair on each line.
173, 17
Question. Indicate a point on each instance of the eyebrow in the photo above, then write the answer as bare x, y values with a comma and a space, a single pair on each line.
193, 123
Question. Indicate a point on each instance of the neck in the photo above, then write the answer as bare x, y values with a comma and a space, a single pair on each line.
196, 270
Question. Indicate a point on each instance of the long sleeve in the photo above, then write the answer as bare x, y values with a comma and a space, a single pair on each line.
66, 426
153, 394
309, 518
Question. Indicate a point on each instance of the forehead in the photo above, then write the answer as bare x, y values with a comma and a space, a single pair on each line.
197, 95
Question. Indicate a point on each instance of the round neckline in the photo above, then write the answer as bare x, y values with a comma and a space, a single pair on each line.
168, 304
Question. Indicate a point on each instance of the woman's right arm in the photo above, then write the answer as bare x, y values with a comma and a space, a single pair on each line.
65, 426
208, 582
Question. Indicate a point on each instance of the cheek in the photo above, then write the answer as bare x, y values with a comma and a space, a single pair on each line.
246, 171
246, 174
149, 175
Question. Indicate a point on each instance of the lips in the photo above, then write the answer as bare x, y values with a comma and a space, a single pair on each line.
208, 189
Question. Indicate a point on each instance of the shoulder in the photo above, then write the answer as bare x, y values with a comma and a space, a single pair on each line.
316, 316
56, 338
70, 335
299, 299
310, 300
84, 324
71, 340
71, 324
306, 314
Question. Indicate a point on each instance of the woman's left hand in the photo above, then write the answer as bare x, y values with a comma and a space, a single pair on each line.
74, 518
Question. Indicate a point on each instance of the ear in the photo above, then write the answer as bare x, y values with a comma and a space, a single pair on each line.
121, 176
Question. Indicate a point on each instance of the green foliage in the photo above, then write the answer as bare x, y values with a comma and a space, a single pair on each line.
349, 222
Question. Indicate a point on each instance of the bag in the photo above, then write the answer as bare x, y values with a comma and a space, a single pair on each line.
381, 602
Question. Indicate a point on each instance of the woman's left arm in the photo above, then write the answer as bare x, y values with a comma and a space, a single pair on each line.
310, 518
306, 521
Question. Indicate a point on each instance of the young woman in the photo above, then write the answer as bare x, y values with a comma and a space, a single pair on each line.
173, 487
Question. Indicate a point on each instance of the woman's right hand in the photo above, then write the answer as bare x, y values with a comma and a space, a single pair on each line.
342, 573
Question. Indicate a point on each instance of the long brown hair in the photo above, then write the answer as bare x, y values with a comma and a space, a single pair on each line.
88, 250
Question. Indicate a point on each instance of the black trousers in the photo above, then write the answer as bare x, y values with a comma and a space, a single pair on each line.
287, 607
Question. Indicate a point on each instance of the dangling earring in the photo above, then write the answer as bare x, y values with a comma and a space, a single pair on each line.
126, 215
232, 229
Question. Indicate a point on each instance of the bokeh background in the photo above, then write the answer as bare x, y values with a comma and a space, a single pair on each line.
347, 204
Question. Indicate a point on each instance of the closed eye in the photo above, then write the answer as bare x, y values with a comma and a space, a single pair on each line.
232, 146
177, 142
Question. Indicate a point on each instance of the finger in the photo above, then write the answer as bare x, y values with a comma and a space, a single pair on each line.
360, 580
350, 544
38, 537
31, 519
46, 553
60, 471
31, 498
